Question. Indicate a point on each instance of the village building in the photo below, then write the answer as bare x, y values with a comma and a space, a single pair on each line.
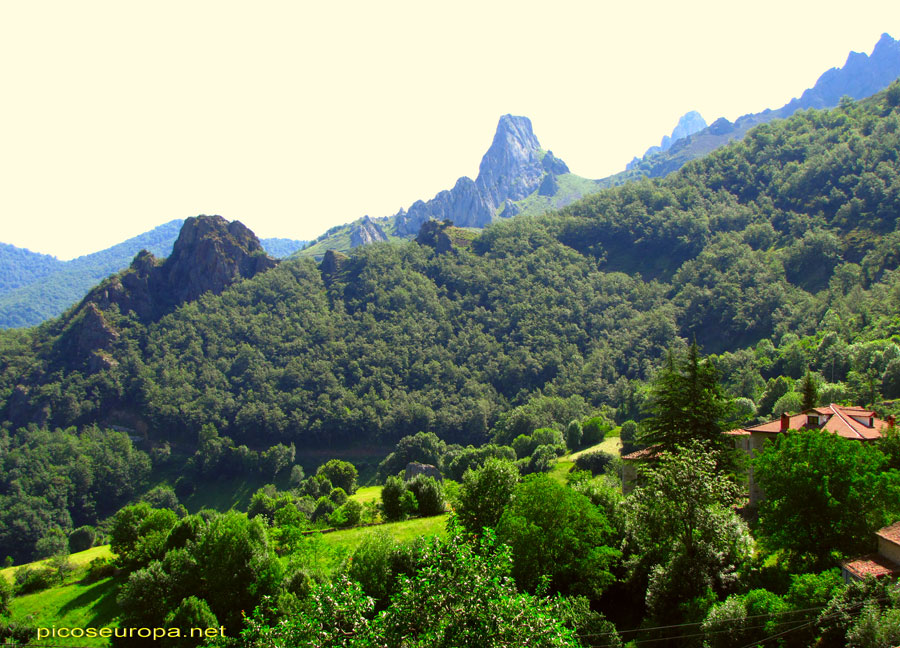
884, 564
849, 422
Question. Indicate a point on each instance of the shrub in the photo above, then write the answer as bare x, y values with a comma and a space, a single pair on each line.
98, 569
82, 539
594, 430
390, 498
573, 434
596, 462
429, 495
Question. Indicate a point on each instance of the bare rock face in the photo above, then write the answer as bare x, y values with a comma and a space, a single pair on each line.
331, 266
513, 168
209, 255
366, 231
93, 332
414, 469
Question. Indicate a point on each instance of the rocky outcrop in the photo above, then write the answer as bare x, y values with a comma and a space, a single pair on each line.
93, 332
434, 234
689, 123
209, 255
332, 264
549, 186
513, 168
365, 231
861, 76
414, 469
553, 164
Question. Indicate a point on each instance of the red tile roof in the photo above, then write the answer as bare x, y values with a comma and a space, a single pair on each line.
890, 533
848, 422
644, 453
872, 565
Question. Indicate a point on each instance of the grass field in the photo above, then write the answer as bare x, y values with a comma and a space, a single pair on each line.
77, 559
400, 531
564, 464
610, 444
367, 494
326, 552
71, 606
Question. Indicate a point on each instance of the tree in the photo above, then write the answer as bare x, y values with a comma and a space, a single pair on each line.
82, 538
809, 391
573, 434
629, 435
484, 494
557, 532
424, 447
682, 533
191, 613
459, 595
429, 495
686, 402
342, 474
595, 429
391, 493
824, 494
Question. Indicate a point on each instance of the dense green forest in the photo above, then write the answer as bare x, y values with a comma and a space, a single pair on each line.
778, 252
489, 358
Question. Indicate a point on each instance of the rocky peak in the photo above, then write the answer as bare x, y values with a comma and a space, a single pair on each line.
511, 168
689, 123
861, 76
366, 231
209, 255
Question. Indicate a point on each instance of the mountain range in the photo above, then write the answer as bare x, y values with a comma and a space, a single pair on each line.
36, 287
779, 252
516, 176
861, 76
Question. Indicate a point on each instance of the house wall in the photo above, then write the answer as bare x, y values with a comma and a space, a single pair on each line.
756, 442
889, 550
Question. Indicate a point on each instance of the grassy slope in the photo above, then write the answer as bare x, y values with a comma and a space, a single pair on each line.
73, 605
564, 464
77, 559
571, 188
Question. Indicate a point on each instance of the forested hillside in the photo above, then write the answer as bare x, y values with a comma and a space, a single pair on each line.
37, 287
215, 368
788, 234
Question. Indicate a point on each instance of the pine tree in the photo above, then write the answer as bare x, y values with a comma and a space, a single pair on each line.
686, 402
809, 391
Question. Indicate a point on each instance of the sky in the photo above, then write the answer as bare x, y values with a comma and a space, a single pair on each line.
296, 116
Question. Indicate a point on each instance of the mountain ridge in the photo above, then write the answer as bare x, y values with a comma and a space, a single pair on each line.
466, 206
37, 294
862, 75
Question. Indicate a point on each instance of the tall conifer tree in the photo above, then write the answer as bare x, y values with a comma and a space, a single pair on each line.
686, 402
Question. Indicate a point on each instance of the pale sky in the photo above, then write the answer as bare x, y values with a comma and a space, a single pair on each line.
295, 116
